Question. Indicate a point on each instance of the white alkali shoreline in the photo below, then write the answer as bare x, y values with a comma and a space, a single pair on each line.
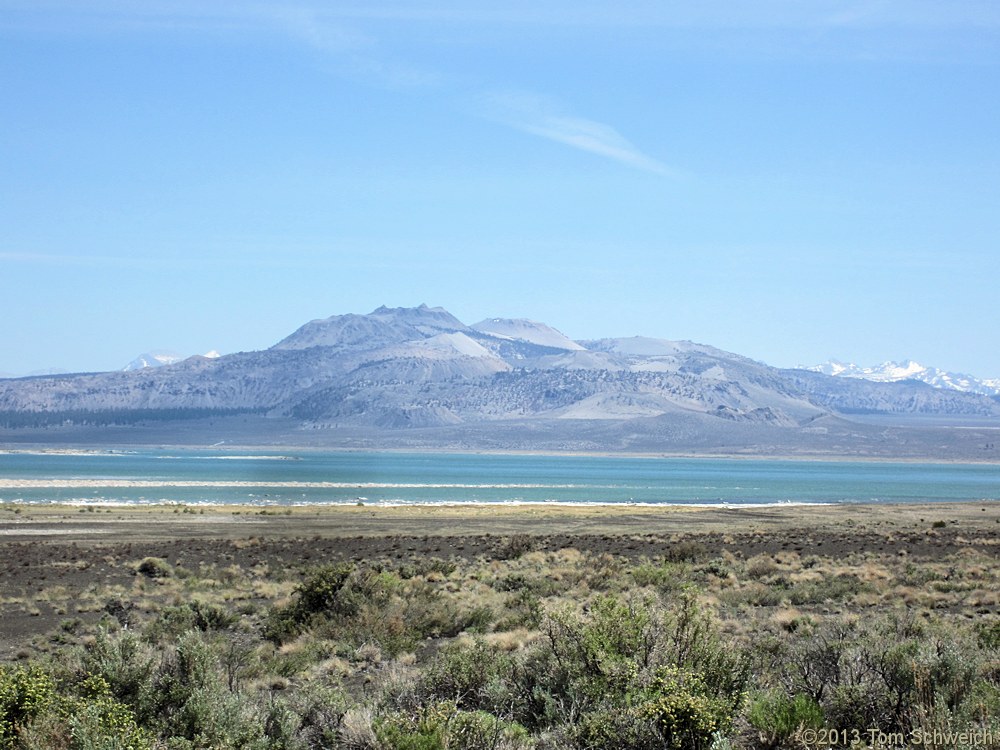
44, 484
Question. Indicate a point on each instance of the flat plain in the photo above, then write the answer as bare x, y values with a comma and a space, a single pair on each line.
54, 553
504, 627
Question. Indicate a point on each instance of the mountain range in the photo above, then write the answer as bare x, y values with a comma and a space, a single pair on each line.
421, 378
892, 372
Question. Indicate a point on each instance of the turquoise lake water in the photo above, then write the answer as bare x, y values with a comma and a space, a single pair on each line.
392, 478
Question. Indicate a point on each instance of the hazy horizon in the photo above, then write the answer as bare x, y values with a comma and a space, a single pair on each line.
794, 183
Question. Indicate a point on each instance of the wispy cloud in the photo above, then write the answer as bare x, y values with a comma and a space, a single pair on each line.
540, 116
346, 48
340, 38
353, 51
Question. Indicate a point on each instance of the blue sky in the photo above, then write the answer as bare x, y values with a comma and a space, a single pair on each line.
793, 181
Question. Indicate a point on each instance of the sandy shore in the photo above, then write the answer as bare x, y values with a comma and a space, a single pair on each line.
159, 522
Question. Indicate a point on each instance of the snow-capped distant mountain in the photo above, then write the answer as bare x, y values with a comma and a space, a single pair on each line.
159, 359
892, 372
152, 359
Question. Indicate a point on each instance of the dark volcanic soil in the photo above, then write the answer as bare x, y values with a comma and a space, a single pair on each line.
42, 548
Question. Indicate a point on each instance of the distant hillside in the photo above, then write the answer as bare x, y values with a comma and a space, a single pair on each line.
420, 377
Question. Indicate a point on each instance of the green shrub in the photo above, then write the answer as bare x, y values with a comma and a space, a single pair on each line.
359, 606
635, 674
893, 674
668, 576
519, 583
320, 710
476, 619
318, 595
427, 613
121, 609
319, 592
693, 642
396, 616
982, 705
175, 620
220, 720
195, 707
612, 727
24, 694
684, 551
126, 666
759, 595
988, 635
280, 625
476, 677
99, 722
211, 616
426, 565
514, 546
686, 711
675, 710
614, 631
521, 609
442, 726
835, 588
155, 567
479, 730
779, 718
35, 712
372, 589
813, 663
859, 705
